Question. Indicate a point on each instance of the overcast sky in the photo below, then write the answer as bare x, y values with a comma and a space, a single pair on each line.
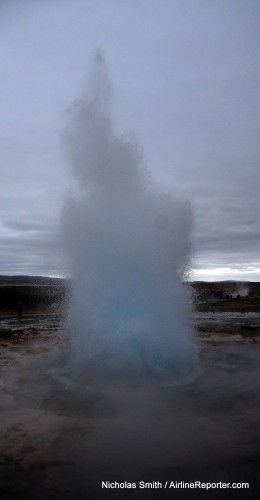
186, 78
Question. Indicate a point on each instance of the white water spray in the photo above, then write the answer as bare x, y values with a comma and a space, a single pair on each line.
129, 245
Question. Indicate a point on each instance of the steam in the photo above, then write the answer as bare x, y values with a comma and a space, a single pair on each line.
129, 247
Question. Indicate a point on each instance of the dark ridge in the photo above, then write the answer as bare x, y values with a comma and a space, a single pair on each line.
30, 279
33, 292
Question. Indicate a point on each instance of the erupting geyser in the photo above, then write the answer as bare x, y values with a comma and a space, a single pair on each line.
129, 245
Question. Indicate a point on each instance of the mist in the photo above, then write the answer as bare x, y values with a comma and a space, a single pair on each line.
128, 242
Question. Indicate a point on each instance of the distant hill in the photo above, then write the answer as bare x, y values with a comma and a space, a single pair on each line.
43, 280
224, 288
41, 292
33, 291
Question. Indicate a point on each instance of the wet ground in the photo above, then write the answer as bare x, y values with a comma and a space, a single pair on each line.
61, 436
228, 327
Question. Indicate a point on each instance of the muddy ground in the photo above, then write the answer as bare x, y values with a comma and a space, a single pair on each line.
61, 435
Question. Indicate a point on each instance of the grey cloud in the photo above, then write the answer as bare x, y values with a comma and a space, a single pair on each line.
187, 85
38, 254
26, 226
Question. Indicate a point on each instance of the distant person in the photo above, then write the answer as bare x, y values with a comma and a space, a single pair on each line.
19, 308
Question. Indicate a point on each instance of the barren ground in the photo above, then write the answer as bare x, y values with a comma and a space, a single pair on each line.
60, 436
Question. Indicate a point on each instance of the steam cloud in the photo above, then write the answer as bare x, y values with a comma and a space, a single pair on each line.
129, 245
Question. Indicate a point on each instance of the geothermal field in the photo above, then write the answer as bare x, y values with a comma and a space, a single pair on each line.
63, 432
